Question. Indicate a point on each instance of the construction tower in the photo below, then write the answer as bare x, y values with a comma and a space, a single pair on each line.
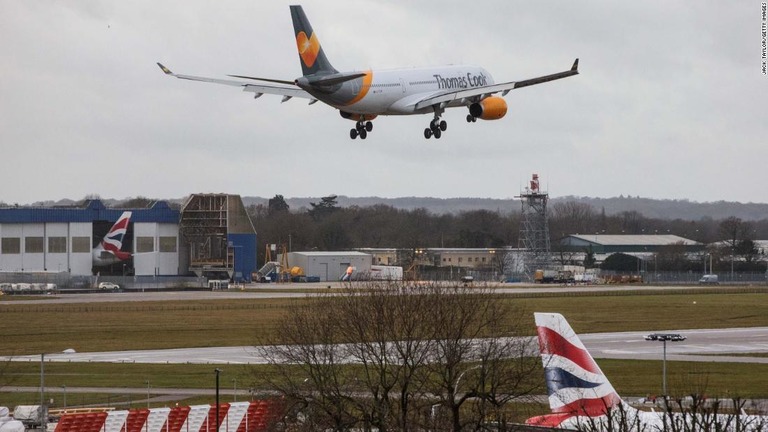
534, 229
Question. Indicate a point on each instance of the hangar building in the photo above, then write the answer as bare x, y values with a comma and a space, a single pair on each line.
61, 239
212, 236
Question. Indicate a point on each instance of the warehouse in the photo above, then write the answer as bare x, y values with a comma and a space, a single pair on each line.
629, 244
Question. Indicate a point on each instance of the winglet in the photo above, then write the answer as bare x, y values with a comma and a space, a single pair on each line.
574, 68
165, 69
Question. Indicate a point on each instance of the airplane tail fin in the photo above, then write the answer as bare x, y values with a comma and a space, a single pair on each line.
311, 55
575, 384
113, 241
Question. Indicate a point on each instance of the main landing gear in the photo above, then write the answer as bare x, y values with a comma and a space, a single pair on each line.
436, 128
361, 129
471, 118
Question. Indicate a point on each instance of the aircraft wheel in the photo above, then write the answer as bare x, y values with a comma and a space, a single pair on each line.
427, 133
353, 133
369, 126
443, 125
474, 119
438, 133
363, 134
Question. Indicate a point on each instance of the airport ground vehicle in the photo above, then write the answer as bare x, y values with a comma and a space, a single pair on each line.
709, 279
108, 286
674, 337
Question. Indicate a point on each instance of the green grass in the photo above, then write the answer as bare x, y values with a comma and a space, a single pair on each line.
613, 313
723, 380
629, 377
31, 329
35, 328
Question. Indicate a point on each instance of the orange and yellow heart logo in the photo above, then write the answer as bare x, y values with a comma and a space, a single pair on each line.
308, 48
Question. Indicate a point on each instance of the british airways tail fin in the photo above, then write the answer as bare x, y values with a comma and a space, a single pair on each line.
575, 384
311, 55
113, 241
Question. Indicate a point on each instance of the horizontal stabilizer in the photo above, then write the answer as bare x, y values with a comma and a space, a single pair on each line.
334, 79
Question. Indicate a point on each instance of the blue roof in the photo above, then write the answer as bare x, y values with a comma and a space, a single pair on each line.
160, 212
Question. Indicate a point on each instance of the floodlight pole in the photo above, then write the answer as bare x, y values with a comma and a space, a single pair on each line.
218, 371
43, 410
664, 370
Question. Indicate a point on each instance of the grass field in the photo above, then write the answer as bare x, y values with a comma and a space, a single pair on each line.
35, 328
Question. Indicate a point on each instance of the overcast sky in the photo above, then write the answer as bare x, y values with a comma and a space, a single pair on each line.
670, 102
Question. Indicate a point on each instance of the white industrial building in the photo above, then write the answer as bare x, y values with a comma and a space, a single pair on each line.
329, 266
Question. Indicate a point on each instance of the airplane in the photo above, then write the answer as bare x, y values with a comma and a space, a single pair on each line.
582, 398
108, 251
361, 96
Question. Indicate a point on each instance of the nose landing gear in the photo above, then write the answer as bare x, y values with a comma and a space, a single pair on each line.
436, 128
361, 129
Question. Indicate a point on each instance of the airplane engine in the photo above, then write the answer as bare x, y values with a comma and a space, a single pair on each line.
356, 117
490, 108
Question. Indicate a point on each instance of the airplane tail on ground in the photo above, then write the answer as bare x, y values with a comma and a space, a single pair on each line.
313, 60
575, 384
113, 241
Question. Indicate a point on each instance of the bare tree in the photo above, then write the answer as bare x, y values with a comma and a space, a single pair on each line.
393, 356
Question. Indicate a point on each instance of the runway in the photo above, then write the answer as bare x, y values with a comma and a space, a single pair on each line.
709, 345
712, 345
296, 290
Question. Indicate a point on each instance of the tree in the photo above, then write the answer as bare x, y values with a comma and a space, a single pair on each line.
325, 207
733, 230
409, 354
620, 262
589, 258
138, 202
276, 205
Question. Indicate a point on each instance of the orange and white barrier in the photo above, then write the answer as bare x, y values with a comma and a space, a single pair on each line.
251, 416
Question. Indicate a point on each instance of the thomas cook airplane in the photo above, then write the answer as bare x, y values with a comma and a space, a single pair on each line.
362, 96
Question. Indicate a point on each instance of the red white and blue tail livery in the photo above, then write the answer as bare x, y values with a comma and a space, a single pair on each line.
582, 398
108, 251
575, 384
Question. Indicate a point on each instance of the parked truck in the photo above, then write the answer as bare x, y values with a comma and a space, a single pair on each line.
29, 415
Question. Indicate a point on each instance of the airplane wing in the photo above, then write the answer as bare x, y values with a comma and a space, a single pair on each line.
479, 93
287, 91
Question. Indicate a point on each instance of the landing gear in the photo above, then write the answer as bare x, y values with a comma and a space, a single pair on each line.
436, 128
361, 130
471, 118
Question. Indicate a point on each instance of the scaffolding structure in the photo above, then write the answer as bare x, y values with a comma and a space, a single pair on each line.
533, 242
208, 222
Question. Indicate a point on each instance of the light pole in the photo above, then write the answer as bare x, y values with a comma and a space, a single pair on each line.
64, 387
234, 385
218, 372
43, 408
664, 337
147, 382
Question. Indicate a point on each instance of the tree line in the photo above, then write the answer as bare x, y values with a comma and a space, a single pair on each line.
327, 226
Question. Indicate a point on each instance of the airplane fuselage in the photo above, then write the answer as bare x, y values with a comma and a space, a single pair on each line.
361, 96
397, 91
